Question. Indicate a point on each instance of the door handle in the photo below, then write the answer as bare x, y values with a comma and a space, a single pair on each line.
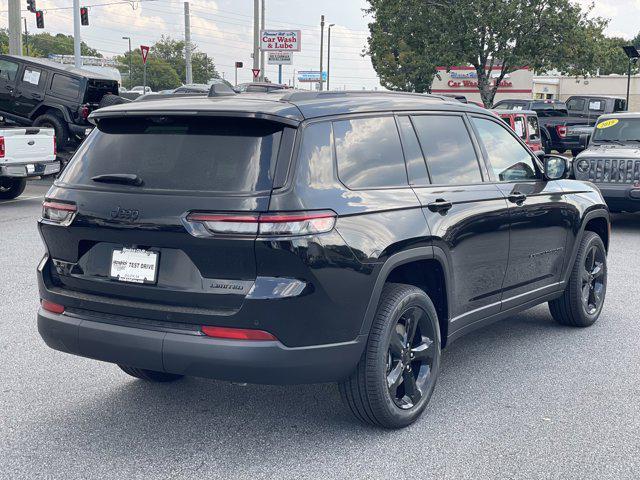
517, 198
9, 87
440, 205
36, 96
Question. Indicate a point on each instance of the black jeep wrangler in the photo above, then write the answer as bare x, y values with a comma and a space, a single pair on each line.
42, 93
299, 237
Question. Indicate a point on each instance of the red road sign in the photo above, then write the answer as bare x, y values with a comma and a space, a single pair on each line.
145, 51
256, 72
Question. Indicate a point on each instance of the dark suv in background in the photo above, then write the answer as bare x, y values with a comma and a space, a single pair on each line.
42, 93
299, 237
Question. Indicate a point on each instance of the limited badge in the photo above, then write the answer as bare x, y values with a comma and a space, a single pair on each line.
608, 123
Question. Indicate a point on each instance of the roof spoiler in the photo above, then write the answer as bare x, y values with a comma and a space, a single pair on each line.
221, 90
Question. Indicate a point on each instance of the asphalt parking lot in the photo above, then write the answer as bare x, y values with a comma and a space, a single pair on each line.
523, 398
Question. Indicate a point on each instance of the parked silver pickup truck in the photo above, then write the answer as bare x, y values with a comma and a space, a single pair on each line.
25, 153
612, 160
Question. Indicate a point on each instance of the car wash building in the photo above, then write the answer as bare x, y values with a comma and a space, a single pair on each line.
464, 81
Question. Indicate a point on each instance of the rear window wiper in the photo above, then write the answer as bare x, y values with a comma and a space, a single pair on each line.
120, 178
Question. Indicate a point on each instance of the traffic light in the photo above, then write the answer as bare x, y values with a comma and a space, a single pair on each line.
31, 5
84, 15
39, 19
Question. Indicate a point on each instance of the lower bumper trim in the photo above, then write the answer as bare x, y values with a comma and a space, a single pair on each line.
268, 362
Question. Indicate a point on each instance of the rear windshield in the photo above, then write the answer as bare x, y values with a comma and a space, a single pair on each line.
203, 154
96, 89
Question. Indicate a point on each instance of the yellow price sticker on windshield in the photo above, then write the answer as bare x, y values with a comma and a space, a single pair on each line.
608, 123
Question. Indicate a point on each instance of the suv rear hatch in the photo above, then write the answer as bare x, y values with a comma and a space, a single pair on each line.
133, 184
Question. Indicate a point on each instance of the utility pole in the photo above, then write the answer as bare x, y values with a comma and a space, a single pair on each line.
329, 55
26, 35
187, 44
256, 34
261, 51
130, 62
15, 29
321, 47
77, 53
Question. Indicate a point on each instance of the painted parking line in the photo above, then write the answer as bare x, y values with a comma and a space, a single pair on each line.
21, 199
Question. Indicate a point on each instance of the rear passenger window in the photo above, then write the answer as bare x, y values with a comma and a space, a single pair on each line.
576, 104
519, 127
369, 154
32, 76
65, 86
597, 105
446, 144
509, 159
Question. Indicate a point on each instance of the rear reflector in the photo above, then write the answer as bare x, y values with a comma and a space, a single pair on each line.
236, 333
1, 147
271, 224
52, 307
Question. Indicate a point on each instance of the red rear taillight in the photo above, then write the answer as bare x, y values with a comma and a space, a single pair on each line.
84, 111
237, 333
56, 212
52, 307
55, 146
1, 147
266, 224
562, 131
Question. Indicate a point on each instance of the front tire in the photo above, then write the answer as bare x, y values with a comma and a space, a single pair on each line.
150, 375
11, 187
581, 302
394, 380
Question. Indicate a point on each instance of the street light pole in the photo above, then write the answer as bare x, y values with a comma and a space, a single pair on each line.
130, 62
628, 84
321, 47
77, 51
329, 55
633, 54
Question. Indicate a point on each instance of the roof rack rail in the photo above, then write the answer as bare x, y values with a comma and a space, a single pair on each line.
299, 95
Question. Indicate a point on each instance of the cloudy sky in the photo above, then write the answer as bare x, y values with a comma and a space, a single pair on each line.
223, 29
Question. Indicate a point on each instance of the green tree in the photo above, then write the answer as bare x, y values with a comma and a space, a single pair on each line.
490, 35
172, 52
160, 75
45, 44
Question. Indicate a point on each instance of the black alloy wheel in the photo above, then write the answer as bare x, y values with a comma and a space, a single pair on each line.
410, 357
593, 284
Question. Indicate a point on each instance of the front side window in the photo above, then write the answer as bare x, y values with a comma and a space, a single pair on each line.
519, 127
534, 128
448, 150
369, 153
576, 104
8, 70
509, 160
65, 86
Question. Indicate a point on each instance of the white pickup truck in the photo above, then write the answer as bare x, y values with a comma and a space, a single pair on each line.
25, 153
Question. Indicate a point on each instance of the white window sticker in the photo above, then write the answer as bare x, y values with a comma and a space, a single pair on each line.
31, 76
595, 105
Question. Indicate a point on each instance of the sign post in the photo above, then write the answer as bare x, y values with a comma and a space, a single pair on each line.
238, 65
144, 50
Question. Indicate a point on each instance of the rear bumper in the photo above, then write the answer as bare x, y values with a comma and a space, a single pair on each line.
194, 354
621, 197
29, 169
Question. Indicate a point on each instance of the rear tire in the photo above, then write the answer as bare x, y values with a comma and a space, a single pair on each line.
393, 382
11, 187
581, 302
150, 375
53, 120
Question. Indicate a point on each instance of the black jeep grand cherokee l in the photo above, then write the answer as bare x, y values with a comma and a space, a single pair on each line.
310, 237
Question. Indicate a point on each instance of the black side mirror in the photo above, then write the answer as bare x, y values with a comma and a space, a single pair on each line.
584, 140
555, 167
